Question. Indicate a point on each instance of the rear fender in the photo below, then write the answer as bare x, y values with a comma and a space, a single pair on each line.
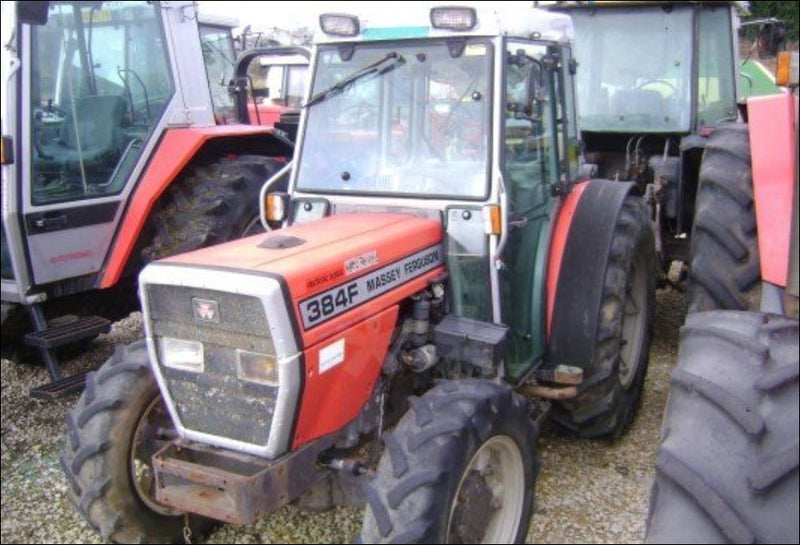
576, 267
773, 136
177, 150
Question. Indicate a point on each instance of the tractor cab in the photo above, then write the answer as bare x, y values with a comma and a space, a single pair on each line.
655, 67
465, 118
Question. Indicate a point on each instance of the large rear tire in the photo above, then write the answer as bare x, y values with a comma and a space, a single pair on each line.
613, 379
210, 205
727, 468
460, 467
725, 269
119, 422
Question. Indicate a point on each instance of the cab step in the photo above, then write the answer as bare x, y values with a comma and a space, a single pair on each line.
81, 328
58, 388
57, 332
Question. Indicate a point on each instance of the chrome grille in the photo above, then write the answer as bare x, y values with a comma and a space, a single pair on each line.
216, 401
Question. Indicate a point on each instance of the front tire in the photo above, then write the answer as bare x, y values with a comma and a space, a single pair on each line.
119, 422
727, 467
460, 467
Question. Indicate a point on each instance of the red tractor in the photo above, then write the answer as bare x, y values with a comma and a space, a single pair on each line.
448, 275
121, 145
727, 468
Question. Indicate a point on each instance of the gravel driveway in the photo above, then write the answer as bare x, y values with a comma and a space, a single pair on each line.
589, 491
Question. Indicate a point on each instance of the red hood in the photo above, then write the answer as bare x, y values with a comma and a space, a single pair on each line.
315, 257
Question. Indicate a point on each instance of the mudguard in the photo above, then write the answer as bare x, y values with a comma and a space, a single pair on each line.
577, 294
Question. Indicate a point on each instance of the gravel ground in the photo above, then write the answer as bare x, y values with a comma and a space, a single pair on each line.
589, 491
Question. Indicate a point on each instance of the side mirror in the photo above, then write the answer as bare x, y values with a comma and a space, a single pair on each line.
771, 39
33, 13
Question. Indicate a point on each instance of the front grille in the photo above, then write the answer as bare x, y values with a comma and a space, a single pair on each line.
215, 401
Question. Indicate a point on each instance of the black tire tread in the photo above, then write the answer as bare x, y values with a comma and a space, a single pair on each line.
727, 468
95, 460
426, 456
208, 205
724, 260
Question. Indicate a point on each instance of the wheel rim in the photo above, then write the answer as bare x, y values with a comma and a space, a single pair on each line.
634, 316
494, 478
153, 431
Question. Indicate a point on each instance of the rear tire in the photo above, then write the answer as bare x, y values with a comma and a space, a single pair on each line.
613, 379
212, 204
725, 269
119, 422
727, 468
460, 467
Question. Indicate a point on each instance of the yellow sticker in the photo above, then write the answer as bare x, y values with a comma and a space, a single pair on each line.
475, 50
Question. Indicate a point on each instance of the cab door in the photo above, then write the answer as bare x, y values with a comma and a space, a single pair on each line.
97, 79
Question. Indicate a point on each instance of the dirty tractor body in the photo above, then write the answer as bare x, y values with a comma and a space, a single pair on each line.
446, 276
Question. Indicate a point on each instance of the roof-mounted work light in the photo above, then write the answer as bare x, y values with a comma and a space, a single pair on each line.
339, 24
454, 18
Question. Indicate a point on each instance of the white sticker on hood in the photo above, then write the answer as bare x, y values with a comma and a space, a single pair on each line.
331, 356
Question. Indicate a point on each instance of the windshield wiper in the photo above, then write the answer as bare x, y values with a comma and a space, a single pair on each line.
386, 64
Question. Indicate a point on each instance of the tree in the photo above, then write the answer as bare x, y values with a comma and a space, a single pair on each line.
785, 11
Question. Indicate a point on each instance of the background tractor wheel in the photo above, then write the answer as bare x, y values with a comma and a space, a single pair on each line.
727, 467
119, 422
210, 205
613, 379
725, 270
460, 467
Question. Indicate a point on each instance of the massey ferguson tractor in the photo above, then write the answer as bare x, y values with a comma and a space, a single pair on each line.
447, 276
120, 146
727, 467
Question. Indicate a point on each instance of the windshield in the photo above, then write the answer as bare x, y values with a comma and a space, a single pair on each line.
634, 69
410, 119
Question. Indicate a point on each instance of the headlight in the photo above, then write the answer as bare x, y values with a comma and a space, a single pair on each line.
257, 367
454, 18
338, 24
181, 354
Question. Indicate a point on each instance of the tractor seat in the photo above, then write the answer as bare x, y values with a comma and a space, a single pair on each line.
93, 131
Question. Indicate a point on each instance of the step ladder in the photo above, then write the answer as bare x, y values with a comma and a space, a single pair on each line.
47, 339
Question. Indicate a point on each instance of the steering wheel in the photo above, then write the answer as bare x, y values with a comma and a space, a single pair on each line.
663, 82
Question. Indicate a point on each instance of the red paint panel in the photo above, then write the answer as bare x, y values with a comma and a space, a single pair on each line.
558, 243
266, 114
337, 387
173, 153
772, 147
320, 263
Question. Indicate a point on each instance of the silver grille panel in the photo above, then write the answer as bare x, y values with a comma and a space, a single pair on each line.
215, 406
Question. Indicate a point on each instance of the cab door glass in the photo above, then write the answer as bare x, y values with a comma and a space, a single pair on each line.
100, 80
532, 133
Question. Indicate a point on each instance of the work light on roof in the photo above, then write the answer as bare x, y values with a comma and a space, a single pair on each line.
454, 18
339, 24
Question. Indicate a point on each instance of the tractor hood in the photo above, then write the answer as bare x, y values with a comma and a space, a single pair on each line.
334, 265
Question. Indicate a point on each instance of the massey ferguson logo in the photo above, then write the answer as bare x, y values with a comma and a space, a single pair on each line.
205, 310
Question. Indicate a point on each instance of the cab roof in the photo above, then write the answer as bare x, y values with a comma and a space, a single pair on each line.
376, 22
